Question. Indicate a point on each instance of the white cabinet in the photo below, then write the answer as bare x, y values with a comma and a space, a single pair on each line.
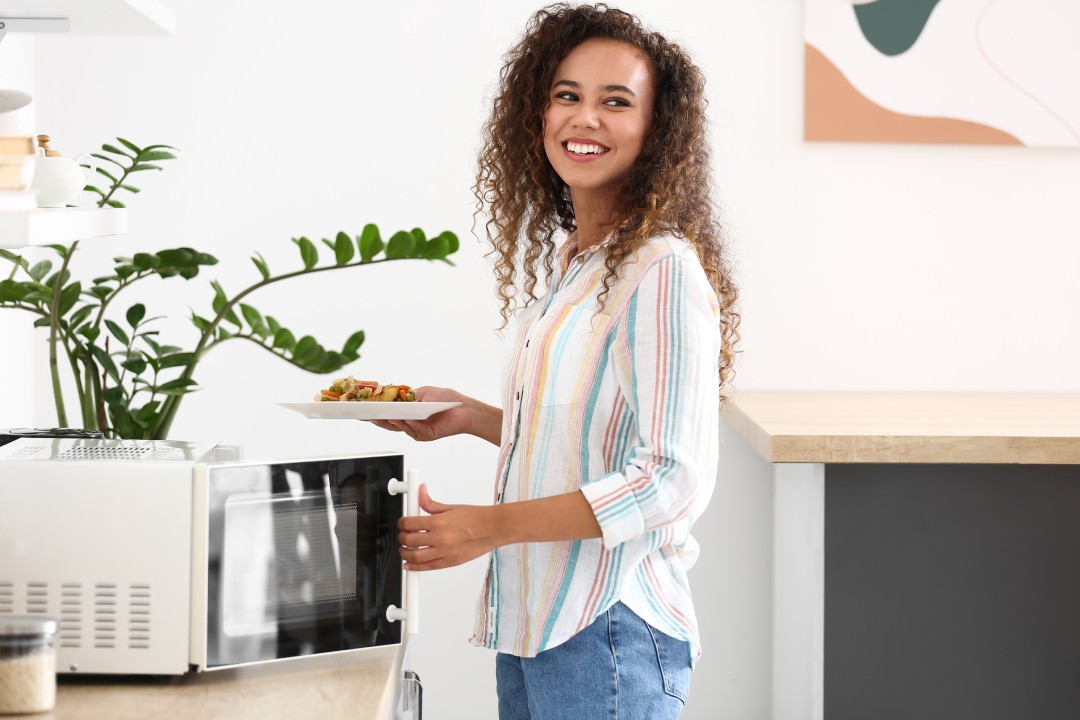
97, 17
49, 226
80, 17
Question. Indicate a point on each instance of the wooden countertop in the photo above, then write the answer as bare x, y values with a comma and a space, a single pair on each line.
340, 685
856, 427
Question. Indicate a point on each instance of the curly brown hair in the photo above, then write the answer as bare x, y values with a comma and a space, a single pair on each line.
667, 191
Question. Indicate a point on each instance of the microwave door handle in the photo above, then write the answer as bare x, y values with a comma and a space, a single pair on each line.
410, 614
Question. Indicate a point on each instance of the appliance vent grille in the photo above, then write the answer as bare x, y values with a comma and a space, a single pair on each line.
27, 451
37, 597
94, 452
139, 616
125, 452
105, 615
71, 606
7, 597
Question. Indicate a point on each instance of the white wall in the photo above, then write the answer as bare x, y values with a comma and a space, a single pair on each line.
16, 336
862, 266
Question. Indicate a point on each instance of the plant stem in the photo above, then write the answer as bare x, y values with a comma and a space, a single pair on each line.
54, 329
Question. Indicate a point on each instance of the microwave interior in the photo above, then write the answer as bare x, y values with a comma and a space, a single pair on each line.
302, 558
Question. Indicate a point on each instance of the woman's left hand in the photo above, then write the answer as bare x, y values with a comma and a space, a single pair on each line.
448, 535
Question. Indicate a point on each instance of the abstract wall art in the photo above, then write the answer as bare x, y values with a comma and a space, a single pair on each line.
994, 72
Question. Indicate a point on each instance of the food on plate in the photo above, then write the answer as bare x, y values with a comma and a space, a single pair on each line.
350, 389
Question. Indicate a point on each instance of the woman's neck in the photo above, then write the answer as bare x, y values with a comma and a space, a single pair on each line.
595, 217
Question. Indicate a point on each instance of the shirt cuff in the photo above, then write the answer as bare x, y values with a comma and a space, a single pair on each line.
616, 509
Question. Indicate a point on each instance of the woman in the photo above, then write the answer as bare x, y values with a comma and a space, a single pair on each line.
618, 343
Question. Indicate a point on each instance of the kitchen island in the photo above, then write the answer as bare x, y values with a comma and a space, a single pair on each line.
926, 552
341, 685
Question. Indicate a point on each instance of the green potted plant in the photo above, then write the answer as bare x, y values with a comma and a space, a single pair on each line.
129, 382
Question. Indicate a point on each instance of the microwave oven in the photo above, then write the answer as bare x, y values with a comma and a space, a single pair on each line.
165, 557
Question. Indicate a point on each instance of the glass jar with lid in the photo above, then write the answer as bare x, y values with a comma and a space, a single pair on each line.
27, 664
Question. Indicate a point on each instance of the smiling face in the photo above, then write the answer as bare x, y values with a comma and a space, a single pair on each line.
599, 114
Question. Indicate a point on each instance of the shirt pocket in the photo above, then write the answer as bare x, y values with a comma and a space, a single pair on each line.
571, 342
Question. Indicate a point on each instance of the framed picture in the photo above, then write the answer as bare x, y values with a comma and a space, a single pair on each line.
993, 72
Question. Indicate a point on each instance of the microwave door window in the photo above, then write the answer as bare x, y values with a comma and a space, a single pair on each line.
307, 561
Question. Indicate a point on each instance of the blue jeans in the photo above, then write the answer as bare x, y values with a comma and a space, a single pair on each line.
618, 668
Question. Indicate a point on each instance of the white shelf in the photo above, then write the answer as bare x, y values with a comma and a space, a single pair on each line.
48, 226
98, 17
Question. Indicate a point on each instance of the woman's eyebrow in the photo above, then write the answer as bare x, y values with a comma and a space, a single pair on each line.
606, 88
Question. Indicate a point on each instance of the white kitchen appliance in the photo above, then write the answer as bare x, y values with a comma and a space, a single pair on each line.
162, 557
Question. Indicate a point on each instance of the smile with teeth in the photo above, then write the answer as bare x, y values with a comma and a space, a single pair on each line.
586, 148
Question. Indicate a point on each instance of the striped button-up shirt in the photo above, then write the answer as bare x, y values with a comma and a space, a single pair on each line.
622, 404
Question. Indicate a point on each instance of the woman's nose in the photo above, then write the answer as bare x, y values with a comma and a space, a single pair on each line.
586, 116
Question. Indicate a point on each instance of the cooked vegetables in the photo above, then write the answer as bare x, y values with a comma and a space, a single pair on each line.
352, 390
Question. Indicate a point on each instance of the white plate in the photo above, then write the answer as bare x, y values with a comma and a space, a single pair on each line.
368, 410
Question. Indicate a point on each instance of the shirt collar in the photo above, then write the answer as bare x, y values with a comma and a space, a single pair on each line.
566, 254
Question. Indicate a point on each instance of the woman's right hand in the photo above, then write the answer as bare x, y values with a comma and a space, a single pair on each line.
454, 421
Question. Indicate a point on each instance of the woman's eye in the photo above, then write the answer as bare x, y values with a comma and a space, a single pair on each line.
566, 95
616, 102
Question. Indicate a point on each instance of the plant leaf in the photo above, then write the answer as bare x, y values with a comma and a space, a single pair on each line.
135, 365
114, 161
343, 249
369, 243
220, 301
181, 359
305, 346
140, 167
354, 342
260, 263
68, 297
107, 174
130, 145
118, 332
113, 395
115, 150
255, 321
80, 315
147, 412
308, 252
135, 314
115, 203
40, 269
12, 291
154, 155
436, 249
421, 242
284, 339
179, 386
452, 243
105, 361
400, 245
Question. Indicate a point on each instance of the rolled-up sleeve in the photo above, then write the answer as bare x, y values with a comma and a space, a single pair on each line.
670, 335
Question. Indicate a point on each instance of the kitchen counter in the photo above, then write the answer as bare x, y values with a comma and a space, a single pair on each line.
925, 551
342, 685
838, 427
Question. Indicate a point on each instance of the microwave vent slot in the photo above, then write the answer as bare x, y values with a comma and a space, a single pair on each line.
7, 597
139, 616
37, 597
104, 629
71, 607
